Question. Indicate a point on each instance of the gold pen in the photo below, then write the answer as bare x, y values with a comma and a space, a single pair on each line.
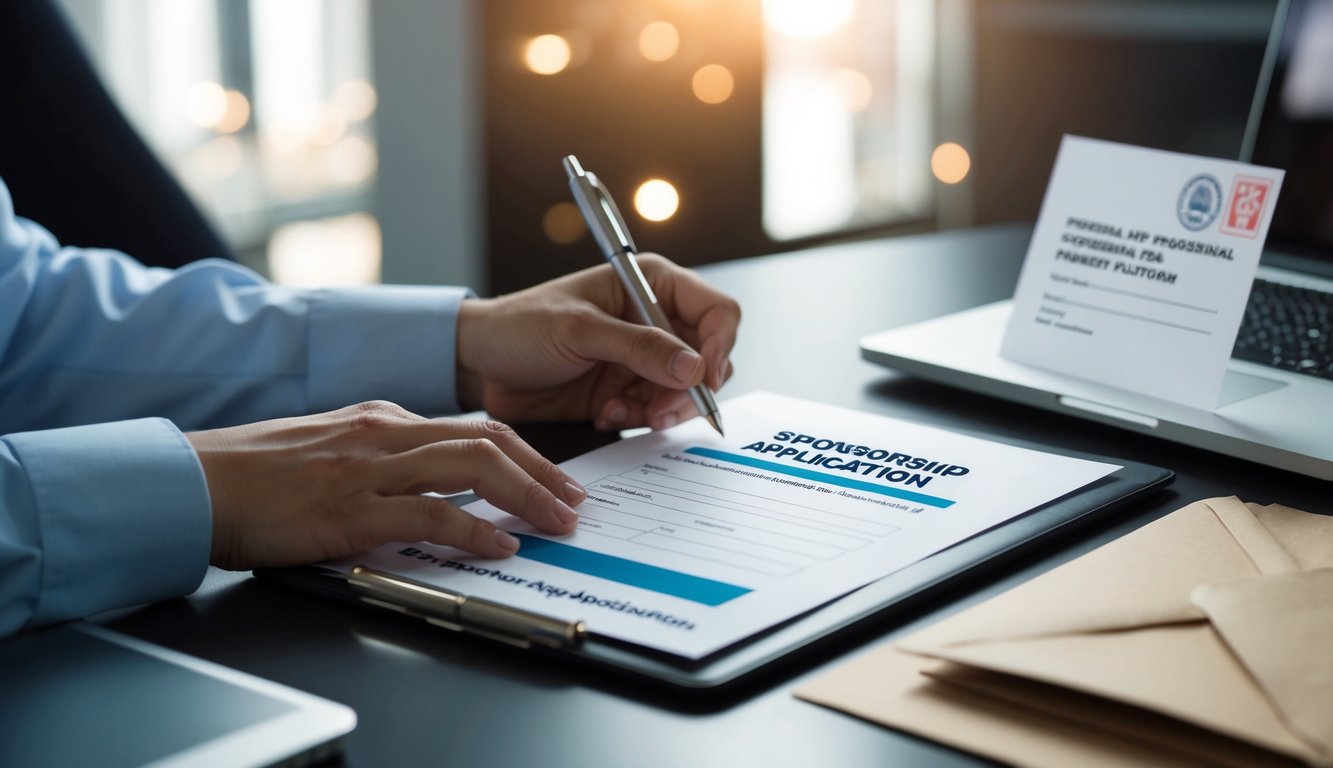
609, 230
461, 613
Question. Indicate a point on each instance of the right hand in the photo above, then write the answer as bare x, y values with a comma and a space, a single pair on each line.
311, 488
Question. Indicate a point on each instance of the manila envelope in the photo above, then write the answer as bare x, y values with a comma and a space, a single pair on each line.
1205, 637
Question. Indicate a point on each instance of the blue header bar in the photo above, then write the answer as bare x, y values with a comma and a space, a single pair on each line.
822, 477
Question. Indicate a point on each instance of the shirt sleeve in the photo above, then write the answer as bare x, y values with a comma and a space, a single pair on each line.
90, 335
103, 361
98, 517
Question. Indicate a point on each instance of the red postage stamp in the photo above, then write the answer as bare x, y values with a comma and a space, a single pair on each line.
1249, 198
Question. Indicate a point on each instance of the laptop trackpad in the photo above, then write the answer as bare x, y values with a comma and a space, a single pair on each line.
1242, 386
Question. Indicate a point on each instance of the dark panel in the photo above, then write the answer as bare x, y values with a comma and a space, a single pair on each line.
1184, 88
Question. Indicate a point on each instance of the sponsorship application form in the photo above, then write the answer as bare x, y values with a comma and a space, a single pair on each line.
689, 542
1139, 268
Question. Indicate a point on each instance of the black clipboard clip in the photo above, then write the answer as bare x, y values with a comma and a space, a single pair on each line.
462, 613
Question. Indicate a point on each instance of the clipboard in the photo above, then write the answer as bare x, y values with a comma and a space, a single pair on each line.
748, 659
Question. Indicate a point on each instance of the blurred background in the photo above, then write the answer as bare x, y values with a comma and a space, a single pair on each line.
345, 141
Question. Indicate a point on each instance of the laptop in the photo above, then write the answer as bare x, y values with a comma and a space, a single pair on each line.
1277, 399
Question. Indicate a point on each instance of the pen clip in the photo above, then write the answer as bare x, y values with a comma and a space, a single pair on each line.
461, 613
599, 210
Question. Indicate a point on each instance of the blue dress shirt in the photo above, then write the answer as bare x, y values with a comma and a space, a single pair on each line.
103, 362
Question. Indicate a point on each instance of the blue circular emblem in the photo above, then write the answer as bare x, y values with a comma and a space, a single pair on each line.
1199, 202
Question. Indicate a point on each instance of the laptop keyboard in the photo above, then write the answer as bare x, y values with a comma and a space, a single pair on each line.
1288, 327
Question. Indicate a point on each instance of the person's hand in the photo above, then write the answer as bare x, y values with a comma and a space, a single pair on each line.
312, 488
574, 348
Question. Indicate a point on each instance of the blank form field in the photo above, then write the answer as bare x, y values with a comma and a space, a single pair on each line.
742, 530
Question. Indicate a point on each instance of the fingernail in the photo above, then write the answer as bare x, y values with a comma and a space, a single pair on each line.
575, 493
684, 363
565, 514
667, 421
506, 542
617, 414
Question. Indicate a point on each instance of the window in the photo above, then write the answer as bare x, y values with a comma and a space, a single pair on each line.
264, 111
848, 114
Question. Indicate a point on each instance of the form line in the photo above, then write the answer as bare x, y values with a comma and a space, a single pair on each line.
719, 503
812, 524
1130, 315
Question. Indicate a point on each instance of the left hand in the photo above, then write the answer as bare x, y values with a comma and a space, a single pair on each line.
574, 348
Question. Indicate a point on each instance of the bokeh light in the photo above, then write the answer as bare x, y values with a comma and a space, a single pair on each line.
352, 161
344, 250
656, 200
356, 98
950, 162
332, 126
857, 89
563, 224
236, 113
807, 19
713, 84
659, 41
206, 104
547, 54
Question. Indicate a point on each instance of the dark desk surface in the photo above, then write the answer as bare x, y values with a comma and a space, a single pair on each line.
428, 698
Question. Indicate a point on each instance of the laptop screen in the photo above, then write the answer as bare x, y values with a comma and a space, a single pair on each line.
1292, 128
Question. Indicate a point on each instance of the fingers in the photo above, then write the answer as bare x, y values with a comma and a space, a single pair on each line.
712, 314
426, 518
650, 352
408, 436
450, 455
457, 465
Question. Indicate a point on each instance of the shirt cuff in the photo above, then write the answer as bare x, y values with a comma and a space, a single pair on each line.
123, 513
394, 343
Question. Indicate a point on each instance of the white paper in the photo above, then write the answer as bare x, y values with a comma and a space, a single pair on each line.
1139, 268
689, 542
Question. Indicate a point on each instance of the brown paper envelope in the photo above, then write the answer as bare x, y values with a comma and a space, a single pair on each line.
1142, 578
887, 686
1140, 725
1306, 537
1281, 629
1119, 622
1181, 670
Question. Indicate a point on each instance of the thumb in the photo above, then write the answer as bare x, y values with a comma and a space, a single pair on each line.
649, 352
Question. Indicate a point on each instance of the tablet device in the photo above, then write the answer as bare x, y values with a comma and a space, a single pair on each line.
83, 695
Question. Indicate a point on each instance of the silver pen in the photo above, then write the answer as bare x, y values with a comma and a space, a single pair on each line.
608, 228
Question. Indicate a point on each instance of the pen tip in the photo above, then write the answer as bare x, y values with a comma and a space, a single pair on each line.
715, 419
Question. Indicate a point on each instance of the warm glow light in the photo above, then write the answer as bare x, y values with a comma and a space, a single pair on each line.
547, 54
950, 163
356, 98
807, 19
352, 161
713, 84
236, 115
659, 41
856, 89
206, 104
656, 200
288, 130
332, 126
563, 223
339, 251
809, 179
